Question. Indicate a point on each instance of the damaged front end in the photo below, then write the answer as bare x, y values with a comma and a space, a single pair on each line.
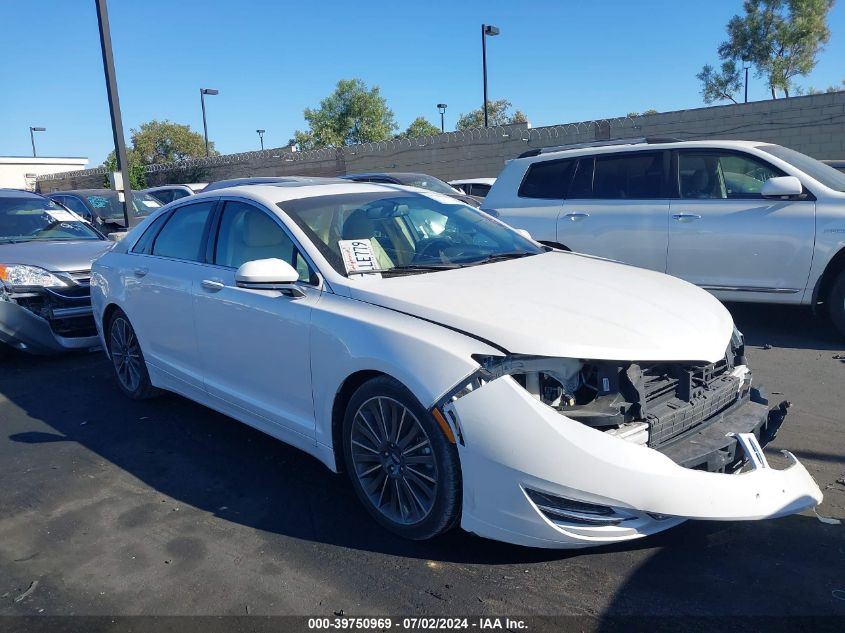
606, 451
48, 318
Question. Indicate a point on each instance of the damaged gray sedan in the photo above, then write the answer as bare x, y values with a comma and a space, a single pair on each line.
45, 267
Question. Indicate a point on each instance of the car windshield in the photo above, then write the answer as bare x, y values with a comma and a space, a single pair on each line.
825, 174
426, 182
107, 206
30, 219
407, 233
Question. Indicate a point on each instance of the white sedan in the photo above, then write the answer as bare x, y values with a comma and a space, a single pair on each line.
458, 372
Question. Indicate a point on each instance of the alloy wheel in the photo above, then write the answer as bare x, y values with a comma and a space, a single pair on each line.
393, 460
126, 354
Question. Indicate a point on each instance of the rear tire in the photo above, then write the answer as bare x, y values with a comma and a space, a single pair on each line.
403, 469
836, 303
130, 369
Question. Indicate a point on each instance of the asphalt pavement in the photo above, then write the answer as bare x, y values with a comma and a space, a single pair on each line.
164, 507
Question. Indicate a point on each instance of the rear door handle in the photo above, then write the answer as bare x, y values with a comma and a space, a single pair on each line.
686, 217
577, 215
140, 272
213, 285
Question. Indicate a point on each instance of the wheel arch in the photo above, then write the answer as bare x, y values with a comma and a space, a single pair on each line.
342, 397
835, 266
109, 312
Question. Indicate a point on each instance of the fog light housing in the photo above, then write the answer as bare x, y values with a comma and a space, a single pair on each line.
563, 510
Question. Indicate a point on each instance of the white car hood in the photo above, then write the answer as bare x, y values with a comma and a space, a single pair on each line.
565, 305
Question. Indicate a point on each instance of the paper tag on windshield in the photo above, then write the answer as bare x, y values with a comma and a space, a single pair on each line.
358, 255
62, 216
151, 204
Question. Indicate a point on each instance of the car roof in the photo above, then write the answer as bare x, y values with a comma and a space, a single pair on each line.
19, 193
637, 144
271, 194
389, 174
278, 180
83, 192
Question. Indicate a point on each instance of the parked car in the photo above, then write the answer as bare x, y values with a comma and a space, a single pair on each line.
45, 264
169, 193
103, 208
747, 221
423, 181
478, 187
458, 372
268, 180
838, 165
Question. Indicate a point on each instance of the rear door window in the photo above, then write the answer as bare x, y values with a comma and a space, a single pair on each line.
183, 235
635, 176
548, 179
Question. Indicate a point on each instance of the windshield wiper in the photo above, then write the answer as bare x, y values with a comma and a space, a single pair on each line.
406, 269
497, 257
14, 240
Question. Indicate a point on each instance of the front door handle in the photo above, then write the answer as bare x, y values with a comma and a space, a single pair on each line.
213, 285
140, 272
686, 217
575, 216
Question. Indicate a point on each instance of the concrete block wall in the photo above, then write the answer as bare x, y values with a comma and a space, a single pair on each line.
813, 124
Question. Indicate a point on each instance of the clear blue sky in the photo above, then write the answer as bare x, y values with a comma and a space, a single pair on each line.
558, 61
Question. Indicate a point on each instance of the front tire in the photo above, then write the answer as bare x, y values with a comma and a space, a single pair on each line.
836, 303
127, 359
402, 467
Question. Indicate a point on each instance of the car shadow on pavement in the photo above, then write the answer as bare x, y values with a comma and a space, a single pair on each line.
203, 459
785, 326
208, 461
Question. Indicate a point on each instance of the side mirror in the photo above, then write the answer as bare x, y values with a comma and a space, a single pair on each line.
268, 274
782, 187
524, 234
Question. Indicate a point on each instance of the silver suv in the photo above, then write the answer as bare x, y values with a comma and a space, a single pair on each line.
747, 221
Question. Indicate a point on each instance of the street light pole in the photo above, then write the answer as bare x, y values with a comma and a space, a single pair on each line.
441, 108
114, 109
746, 64
261, 136
203, 92
486, 30
32, 137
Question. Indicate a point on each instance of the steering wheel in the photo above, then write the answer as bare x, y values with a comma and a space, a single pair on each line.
431, 248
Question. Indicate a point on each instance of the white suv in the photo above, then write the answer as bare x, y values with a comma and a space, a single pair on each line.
747, 221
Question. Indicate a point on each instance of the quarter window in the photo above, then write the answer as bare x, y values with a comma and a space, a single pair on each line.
182, 236
547, 179
247, 233
711, 175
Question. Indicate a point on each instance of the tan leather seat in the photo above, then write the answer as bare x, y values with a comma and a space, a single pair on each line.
253, 236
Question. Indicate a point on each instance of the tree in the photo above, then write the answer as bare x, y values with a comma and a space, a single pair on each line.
498, 113
780, 38
420, 127
159, 142
720, 85
352, 114
137, 177
167, 142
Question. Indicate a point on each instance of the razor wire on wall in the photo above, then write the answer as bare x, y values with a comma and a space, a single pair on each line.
789, 121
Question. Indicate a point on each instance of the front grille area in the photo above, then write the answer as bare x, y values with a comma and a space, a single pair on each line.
678, 398
82, 277
67, 310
